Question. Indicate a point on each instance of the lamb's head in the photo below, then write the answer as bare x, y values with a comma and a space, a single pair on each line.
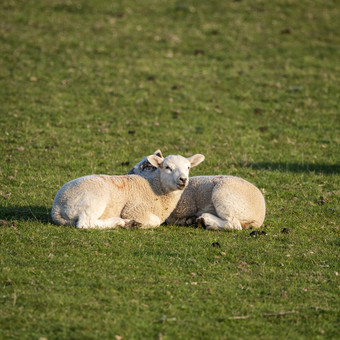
174, 170
144, 168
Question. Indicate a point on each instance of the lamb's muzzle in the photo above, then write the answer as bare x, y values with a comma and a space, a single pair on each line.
182, 183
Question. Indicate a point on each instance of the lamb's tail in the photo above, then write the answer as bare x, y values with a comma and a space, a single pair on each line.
57, 216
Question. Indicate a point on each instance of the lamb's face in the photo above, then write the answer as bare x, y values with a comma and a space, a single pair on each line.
174, 173
174, 170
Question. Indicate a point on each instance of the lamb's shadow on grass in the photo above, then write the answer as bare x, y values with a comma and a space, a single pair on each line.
297, 167
26, 213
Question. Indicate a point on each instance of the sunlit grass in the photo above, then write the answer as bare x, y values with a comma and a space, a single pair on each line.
92, 87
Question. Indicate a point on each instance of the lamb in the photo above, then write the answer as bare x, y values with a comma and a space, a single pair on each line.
214, 202
101, 201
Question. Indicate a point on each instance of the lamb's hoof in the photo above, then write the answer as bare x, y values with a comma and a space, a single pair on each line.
201, 223
257, 233
132, 225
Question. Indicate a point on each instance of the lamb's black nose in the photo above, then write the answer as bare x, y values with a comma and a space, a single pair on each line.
183, 180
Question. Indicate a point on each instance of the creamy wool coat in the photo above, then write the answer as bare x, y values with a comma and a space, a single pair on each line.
104, 197
226, 202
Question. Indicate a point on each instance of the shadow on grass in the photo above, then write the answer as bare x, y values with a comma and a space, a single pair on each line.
297, 167
26, 213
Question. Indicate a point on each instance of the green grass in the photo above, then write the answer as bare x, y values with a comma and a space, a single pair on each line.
86, 87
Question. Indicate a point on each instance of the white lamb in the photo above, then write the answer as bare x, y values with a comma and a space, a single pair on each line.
214, 202
100, 201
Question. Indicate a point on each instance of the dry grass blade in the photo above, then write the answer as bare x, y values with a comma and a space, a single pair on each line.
280, 313
239, 317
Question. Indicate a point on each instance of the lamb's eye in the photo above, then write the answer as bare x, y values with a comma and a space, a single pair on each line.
168, 168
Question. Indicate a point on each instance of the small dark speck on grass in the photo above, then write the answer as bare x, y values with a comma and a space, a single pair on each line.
198, 52
151, 78
257, 233
132, 132
263, 128
258, 111
216, 245
125, 163
4, 223
175, 87
321, 201
286, 31
285, 231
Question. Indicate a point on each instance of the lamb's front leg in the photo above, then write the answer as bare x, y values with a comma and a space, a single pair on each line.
85, 223
212, 222
150, 221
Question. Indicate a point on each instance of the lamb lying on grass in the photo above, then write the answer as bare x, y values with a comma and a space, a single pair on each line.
214, 202
100, 201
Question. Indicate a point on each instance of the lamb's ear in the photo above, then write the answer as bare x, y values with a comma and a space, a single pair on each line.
158, 153
195, 159
155, 160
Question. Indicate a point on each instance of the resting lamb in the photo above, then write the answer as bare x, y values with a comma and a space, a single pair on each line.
100, 201
214, 202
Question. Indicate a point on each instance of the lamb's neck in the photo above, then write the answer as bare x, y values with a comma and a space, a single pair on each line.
156, 184
167, 199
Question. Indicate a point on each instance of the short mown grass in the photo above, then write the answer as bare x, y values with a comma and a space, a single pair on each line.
94, 86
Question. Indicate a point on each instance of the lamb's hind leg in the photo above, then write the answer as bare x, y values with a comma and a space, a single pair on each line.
182, 221
213, 222
139, 212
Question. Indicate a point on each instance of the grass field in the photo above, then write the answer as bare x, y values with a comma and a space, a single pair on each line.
94, 86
